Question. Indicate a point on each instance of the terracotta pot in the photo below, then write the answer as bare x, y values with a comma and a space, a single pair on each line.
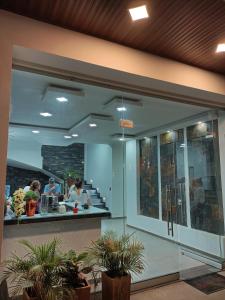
117, 288
27, 297
31, 207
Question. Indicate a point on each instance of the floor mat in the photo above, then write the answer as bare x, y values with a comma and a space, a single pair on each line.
208, 284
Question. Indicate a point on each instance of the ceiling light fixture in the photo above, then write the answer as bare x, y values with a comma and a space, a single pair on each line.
62, 99
93, 125
122, 108
35, 131
122, 139
139, 12
45, 114
67, 136
220, 48
75, 135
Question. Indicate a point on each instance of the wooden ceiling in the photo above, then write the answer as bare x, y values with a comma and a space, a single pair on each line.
184, 30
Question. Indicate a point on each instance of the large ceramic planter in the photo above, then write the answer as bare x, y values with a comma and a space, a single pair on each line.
117, 288
82, 293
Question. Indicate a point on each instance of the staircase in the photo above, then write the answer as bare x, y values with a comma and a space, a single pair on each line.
95, 196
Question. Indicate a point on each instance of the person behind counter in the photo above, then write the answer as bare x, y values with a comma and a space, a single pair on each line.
27, 187
36, 187
77, 194
52, 188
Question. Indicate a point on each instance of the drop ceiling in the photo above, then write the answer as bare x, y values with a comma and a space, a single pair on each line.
30, 96
186, 31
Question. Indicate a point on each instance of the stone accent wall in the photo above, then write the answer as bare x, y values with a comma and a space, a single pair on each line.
19, 178
60, 159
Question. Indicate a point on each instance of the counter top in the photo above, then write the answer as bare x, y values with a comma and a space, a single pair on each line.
92, 212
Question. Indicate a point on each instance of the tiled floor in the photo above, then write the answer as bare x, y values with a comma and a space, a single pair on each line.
178, 291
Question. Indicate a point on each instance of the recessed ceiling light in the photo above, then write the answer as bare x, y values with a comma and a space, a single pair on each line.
75, 135
168, 131
62, 99
122, 108
35, 131
199, 123
93, 125
67, 136
139, 12
45, 114
220, 48
122, 139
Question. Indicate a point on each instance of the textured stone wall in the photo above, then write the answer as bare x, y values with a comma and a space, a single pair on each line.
19, 178
60, 159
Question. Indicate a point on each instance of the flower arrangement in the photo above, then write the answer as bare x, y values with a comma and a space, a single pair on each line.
18, 203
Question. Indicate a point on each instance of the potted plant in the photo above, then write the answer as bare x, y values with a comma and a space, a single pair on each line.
73, 276
118, 257
37, 274
31, 203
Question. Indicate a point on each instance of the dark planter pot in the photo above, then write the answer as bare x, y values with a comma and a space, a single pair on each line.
117, 288
27, 297
82, 293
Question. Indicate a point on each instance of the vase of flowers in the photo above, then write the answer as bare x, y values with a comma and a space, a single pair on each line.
31, 203
18, 203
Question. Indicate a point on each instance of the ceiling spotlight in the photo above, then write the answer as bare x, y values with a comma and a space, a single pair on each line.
45, 114
139, 12
220, 48
62, 99
122, 139
122, 108
67, 136
199, 123
35, 131
75, 135
93, 125
168, 131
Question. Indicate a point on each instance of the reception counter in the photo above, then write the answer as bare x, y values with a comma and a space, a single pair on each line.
75, 231
92, 212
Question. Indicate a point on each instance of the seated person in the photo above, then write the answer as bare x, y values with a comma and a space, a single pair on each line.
52, 188
70, 185
36, 187
27, 187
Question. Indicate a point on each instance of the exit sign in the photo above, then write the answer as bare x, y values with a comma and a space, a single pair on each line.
126, 123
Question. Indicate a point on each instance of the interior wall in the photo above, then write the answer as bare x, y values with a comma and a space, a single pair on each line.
98, 169
26, 152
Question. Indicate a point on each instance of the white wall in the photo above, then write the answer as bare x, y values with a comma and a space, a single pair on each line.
26, 152
98, 167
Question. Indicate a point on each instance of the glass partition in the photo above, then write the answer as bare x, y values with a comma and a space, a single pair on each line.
149, 189
204, 177
172, 175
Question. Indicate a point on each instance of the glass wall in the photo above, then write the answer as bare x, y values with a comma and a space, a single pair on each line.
203, 170
149, 190
172, 176
204, 177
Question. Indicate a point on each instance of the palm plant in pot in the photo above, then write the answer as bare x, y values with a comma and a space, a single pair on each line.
37, 274
118, 257
73, 272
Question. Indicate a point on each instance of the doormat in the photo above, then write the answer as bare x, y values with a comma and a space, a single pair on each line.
208, 284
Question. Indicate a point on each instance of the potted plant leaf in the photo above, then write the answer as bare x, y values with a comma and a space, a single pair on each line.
37, 274
31, 203
118, 257
73, 276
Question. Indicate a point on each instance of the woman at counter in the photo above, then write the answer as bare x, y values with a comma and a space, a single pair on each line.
77, 194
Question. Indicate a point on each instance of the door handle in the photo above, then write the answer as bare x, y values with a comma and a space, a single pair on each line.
169, 210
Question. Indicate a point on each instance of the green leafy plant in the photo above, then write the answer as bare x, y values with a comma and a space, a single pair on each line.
30, 195
117, 255
38, 271
73, 270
